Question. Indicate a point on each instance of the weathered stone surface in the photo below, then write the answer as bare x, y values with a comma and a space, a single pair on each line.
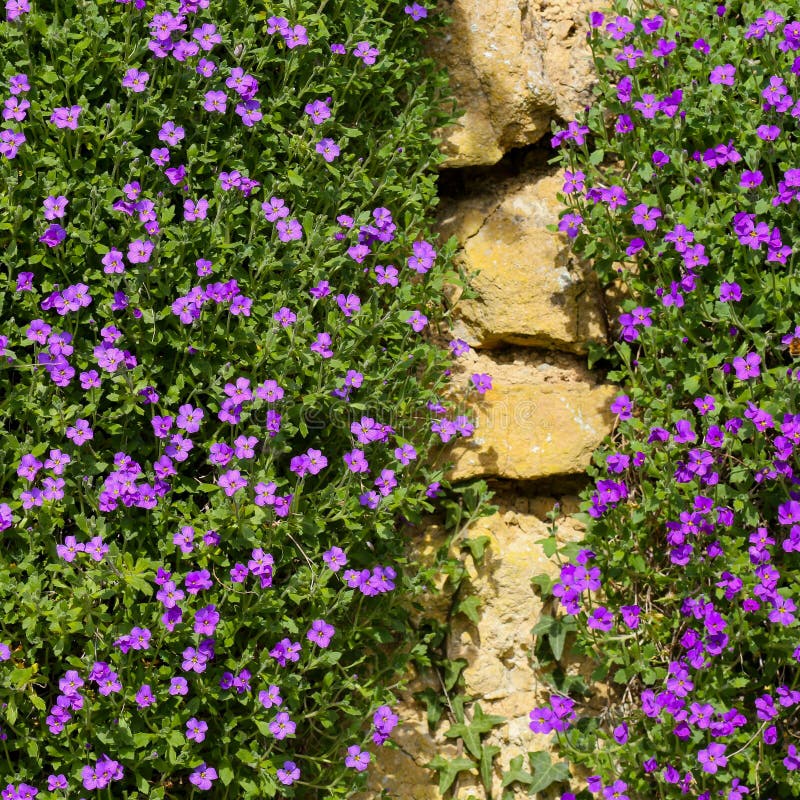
531, 290
497, 649
514, 65
544, 417
501, 672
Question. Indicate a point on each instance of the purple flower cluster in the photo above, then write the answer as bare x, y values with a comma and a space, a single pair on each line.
384, 721
176, 450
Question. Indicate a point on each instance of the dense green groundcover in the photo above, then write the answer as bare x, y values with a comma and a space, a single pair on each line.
683, 182
217, 390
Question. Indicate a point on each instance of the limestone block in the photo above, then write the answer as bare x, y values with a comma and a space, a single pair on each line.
514, 65
531, 290
500, 672
497, 649
544, 417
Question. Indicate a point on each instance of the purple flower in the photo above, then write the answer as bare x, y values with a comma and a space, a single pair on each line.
282, 726
215, 101
630, 616
231, 482
18, 84
139, 251
80, 432
318, 111
193, 211
751, 179
357, 758
56, 782
322, 345
747, 367
366, 52
320, 633
55, 207
601, 619
171, 133
10, 143
723, 75
713, 758
322, 289
417, 321
645, 216
616, 791
622, 406
335, 558
16, 8
660, 158
416, 11
66, 117
624, 124
570, 224
289, 773
274, 209
294, 36
289, 230
196, 729
203, 776
53, 236
423, 257
206, 68
482, 382
328, 149
135, 81
207, 36
730, 292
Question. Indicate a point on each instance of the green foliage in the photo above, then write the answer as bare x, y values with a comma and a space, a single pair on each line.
224, 361
681, 186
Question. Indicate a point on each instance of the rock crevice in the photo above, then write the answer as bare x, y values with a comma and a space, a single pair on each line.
515, 66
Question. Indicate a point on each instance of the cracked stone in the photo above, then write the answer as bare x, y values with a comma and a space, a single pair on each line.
543, 418
531, 290
514, 65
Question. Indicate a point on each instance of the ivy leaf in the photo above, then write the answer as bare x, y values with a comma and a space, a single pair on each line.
469, 736
516, 774
487, 756
476, 547
470, 732
452, 672
469, 608
545, 772
543, 626
483, 723
448, 770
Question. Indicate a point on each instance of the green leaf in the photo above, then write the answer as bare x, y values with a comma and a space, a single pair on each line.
476, 547
448, 769
484, 723
516, 774
452, 671
487, 757
545, 772
226, 774
469, 736
469, 607
544, 624
556, 637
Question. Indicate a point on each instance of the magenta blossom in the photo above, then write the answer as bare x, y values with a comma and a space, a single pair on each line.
66, 117
747, 367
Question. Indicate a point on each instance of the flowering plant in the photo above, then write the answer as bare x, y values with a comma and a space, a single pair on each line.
214, 405
681, 181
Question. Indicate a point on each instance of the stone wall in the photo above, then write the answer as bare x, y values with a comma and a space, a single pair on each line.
515, 65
